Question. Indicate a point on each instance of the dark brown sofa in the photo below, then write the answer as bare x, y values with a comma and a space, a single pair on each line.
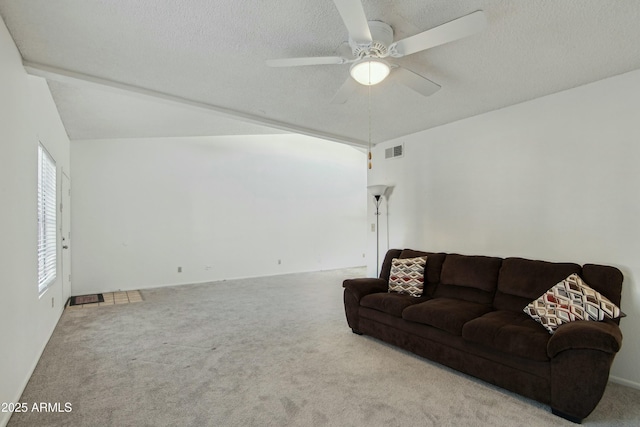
470, 318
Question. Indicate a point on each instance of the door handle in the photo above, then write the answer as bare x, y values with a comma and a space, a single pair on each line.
65, 247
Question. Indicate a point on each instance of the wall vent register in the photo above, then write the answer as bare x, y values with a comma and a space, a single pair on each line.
392, 152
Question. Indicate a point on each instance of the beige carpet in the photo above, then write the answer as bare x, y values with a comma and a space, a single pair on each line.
272, 351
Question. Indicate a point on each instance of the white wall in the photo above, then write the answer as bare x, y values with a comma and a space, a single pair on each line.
219, 207
556, 178
27, 115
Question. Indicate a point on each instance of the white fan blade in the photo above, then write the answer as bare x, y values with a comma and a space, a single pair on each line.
312, 60
345, 91
355, 20
445, 33
414, 81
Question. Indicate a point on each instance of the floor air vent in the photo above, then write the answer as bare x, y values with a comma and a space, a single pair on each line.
392, 152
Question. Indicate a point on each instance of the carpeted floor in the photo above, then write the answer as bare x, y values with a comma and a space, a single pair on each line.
272, 351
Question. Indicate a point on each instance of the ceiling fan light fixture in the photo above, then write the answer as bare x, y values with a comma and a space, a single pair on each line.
370, 71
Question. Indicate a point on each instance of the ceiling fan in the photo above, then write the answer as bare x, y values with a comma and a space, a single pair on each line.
371, 42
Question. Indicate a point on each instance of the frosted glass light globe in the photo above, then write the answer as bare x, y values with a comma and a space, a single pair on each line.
370, 71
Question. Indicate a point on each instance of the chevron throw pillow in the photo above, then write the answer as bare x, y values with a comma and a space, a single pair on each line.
407, 275
570, 300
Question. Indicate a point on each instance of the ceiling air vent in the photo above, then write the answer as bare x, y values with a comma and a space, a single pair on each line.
392, 152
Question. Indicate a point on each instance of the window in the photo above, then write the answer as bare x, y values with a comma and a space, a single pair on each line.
46, 220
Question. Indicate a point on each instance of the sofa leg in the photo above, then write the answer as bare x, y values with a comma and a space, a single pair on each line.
356, 332
566, 416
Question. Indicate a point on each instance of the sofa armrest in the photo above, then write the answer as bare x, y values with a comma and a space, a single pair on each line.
604, 336
365, 286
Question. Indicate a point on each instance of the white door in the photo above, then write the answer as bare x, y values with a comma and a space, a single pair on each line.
65, 232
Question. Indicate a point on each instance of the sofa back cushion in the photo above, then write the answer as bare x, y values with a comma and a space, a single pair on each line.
605, 279
431, 272
523, 280
385, 270
470, 278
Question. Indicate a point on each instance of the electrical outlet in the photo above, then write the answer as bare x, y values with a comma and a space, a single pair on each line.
179, 269
207, 267
373, 227
279, 261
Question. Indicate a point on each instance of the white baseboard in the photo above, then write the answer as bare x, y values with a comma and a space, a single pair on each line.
624, 382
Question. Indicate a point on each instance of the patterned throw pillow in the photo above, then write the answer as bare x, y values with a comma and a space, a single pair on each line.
407, 275
572, 299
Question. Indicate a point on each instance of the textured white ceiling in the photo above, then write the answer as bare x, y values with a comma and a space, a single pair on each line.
214, 52
91, 113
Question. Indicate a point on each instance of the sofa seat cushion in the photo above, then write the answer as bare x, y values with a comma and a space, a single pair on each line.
390, 302
509, 332
447, 314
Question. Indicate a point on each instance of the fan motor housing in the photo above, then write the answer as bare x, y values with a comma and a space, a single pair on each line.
382, 36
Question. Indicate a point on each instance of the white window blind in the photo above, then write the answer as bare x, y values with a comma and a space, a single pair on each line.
47, 208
